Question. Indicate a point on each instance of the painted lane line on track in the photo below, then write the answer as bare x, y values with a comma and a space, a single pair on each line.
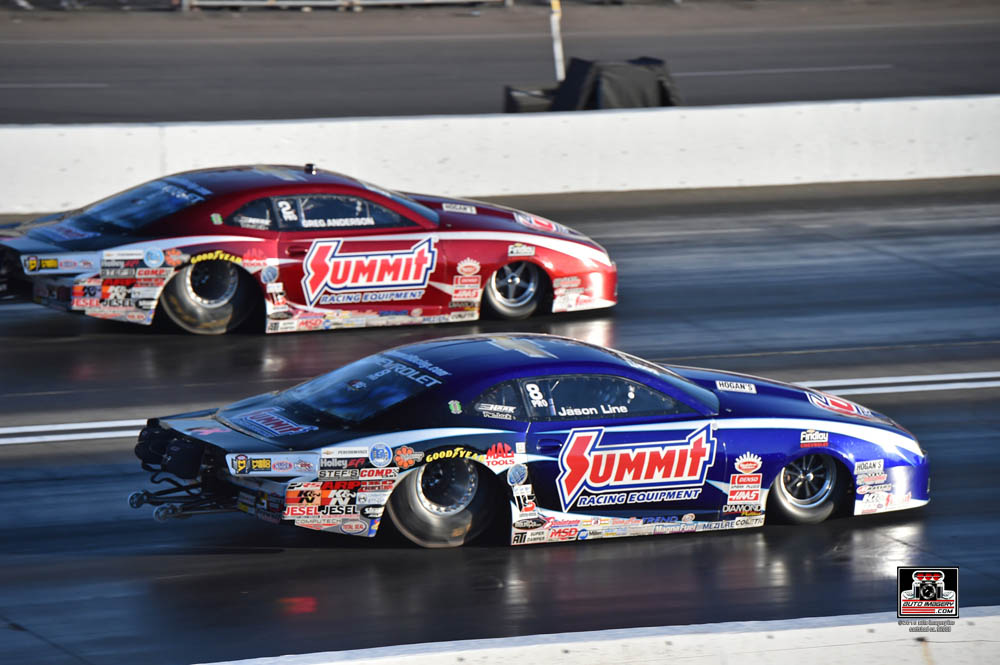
98, 424
117, 434
37, 86
784, 70
105, 429
912, 378
967, 385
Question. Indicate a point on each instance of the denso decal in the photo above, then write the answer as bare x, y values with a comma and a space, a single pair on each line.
326, 269
585, 464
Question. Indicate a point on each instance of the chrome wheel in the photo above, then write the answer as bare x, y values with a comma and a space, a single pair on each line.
447, 487
515, 285
212, 284
808, 481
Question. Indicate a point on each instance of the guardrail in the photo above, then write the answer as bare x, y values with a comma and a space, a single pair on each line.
55, 167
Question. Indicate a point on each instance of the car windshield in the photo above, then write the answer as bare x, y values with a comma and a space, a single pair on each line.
706, 397
147, 203
359, 391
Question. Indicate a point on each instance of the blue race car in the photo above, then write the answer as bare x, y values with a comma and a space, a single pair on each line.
560, 439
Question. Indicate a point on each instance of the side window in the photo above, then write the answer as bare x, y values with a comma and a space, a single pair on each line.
501, 402
289, 216
329, 211
590, 396
254, 215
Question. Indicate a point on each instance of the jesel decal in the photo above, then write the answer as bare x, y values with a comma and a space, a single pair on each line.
326, 269
585, 464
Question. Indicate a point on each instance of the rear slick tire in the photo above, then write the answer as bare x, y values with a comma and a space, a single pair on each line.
446, 503
808, 490
209, 297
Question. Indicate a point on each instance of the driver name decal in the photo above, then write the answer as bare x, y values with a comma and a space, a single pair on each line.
326, 269
586, 464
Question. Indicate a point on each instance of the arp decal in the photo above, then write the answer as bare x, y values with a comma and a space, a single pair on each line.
327, 270
586, 464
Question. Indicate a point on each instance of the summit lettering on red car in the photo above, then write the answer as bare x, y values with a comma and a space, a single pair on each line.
585, 464
327, 269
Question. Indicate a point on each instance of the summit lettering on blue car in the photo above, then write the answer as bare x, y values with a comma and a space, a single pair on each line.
586, 464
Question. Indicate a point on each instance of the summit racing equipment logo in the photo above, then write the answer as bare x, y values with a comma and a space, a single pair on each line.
586, 464
327, 269
270, 422
927, 592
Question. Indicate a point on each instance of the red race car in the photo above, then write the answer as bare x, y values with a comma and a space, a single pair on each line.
318, 249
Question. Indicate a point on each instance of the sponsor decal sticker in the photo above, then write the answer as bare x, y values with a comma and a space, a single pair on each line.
517, 474
243, 464
271, 422
153, 257
406, 457
736, 387
269, 274
455, 407
353, 527
748, 463
254, 259
380, 455
468, 266
217, 255
173, 257
499, 456
458, 452
520, 249
586, 464
813, 439
870, 466
377, 474
459, 207
837, 405
328, 270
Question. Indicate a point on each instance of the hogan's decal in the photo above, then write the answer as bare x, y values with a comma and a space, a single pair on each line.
328, 270
586, 464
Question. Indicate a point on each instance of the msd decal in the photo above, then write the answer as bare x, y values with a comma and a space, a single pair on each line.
586, 464
327, 269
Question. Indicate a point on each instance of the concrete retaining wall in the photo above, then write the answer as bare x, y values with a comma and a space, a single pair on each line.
53, 167
863, 638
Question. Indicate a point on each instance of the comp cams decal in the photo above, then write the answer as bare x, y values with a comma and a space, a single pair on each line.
673, 470
328, 270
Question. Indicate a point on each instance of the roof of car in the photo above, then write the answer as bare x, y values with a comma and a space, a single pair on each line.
229, 179
485, 355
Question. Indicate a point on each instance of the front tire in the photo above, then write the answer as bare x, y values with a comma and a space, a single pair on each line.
209, 297
515, 290
445, 503
808, 489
